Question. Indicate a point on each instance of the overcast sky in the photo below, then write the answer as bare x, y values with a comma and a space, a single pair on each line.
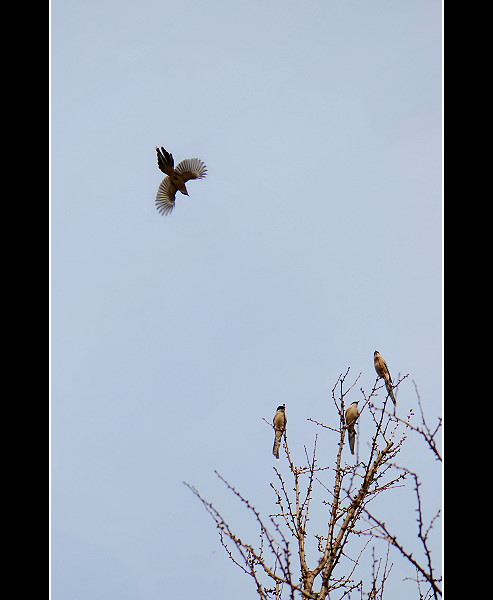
315, 239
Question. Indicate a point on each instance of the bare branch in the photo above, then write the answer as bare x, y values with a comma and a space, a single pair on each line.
393, 540
347, 489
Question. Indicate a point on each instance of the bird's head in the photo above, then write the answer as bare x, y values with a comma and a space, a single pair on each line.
282, 407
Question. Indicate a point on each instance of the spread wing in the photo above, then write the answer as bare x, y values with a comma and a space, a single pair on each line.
165, 197
191, 168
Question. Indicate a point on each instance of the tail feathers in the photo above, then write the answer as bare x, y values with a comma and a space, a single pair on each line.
352, 439
165, 160
277, 444
390, 390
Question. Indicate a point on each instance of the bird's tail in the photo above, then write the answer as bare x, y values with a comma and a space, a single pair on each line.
352, 438
390, 390
277, 443
165, 160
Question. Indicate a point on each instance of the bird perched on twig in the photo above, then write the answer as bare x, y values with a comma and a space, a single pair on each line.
190, 168
352, 415
383, 371
280, 421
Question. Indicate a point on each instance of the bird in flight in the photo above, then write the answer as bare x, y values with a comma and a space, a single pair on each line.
176, 177
280, 421
383, 371
351, 416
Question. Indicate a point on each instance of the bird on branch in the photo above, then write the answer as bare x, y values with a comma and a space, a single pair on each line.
280, 421
383, 371
352, 415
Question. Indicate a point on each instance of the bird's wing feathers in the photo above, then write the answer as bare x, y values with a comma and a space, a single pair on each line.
165, 197
385, 370
191, 168
352, 415
280, 421
381, 367
351, 418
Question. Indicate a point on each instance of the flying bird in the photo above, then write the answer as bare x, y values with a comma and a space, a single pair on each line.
383, 371
176, 177
280, 421
351, 416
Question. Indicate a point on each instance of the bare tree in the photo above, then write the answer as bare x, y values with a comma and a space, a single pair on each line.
290, 561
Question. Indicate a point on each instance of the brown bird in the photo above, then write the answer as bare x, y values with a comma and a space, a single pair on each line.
383, 371
352, 415
280, 421
190, 168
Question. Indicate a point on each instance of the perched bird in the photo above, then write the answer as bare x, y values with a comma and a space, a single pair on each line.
383, 371
190, 168
352, 415
280, 421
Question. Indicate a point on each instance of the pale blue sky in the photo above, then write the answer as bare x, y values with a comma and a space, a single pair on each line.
315, 239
